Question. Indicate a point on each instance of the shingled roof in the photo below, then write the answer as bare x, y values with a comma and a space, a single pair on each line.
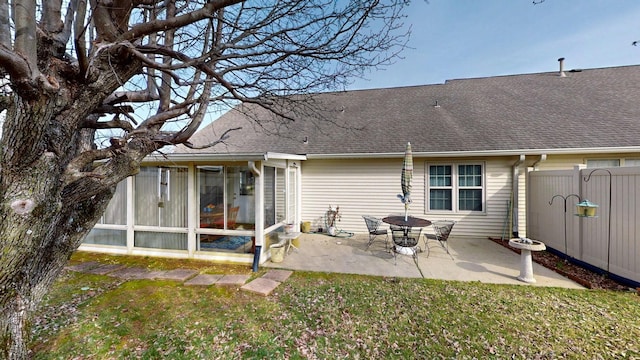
542, 112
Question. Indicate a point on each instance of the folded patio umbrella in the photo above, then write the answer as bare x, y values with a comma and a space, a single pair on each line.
405, 180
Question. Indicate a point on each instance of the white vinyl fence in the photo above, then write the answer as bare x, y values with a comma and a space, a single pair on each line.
609, 241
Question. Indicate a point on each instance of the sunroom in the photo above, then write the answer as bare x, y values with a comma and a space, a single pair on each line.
211, 207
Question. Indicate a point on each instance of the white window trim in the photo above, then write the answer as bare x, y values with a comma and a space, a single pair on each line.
455, 188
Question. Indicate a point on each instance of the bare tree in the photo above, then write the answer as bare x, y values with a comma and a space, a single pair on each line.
150, 72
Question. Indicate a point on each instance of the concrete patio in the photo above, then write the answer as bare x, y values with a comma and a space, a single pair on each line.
471, 260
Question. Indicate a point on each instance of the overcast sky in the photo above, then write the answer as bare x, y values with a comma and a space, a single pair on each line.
455, 39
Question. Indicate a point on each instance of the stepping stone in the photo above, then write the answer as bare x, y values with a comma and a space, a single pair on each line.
133, 273
278, 275
155, 275
177, 274
83, 267
105, 269
261, 286
204, 280
232, 280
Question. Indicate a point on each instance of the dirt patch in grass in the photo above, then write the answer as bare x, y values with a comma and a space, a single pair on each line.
575, 272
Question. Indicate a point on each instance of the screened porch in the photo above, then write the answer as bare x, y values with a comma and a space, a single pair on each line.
226, 211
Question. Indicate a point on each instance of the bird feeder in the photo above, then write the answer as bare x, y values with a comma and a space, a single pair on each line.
586, 208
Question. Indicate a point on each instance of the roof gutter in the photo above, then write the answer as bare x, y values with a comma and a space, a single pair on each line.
188, 157
483, 153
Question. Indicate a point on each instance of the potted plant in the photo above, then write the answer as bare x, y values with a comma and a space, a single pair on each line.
333, 215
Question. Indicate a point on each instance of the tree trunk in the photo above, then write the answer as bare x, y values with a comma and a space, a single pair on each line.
35, 249
40, 228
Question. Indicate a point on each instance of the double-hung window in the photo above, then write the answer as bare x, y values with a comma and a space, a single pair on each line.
455, 187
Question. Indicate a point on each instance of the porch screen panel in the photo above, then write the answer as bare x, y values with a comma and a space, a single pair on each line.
158, 240
211, 183
161, 197
269, 177
174, 197
146, 196
243, 197
291, 198
281, 203
232, 196
106, 237
116, 212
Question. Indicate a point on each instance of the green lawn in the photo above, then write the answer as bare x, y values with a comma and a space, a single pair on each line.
327, 316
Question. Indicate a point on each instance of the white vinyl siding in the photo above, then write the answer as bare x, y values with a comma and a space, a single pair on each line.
371, 186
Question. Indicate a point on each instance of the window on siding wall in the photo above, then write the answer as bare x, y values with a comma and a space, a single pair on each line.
605, 163
440, 187
455, 187
631, 162
602, 163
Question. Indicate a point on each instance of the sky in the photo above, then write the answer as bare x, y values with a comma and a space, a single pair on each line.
459, 39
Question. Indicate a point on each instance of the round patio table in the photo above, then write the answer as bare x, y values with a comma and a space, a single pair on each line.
411, 221
406, 225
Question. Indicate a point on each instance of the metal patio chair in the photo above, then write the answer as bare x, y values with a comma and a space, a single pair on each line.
405, 239
373, 225
441, 229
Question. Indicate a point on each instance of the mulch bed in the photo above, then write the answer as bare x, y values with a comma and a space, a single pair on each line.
575, 272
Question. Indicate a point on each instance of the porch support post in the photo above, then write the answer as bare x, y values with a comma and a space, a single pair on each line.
193, 210
130, 214
259, 213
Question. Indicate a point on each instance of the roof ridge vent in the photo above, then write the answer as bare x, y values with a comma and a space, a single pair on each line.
561, 61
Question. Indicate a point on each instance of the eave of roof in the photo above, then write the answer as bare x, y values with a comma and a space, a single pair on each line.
490, 153
226, 157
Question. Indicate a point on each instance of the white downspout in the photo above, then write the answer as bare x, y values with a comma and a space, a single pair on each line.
543, 158
253, 168
515, 188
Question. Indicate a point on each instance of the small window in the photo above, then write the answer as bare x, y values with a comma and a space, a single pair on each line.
455, 187
603, 163
631, 162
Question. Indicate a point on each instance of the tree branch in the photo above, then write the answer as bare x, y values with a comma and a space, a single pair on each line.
130, 96
114, 123
207, 11
74, 170
221, 139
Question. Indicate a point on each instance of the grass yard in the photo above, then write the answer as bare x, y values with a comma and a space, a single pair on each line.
326, 316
